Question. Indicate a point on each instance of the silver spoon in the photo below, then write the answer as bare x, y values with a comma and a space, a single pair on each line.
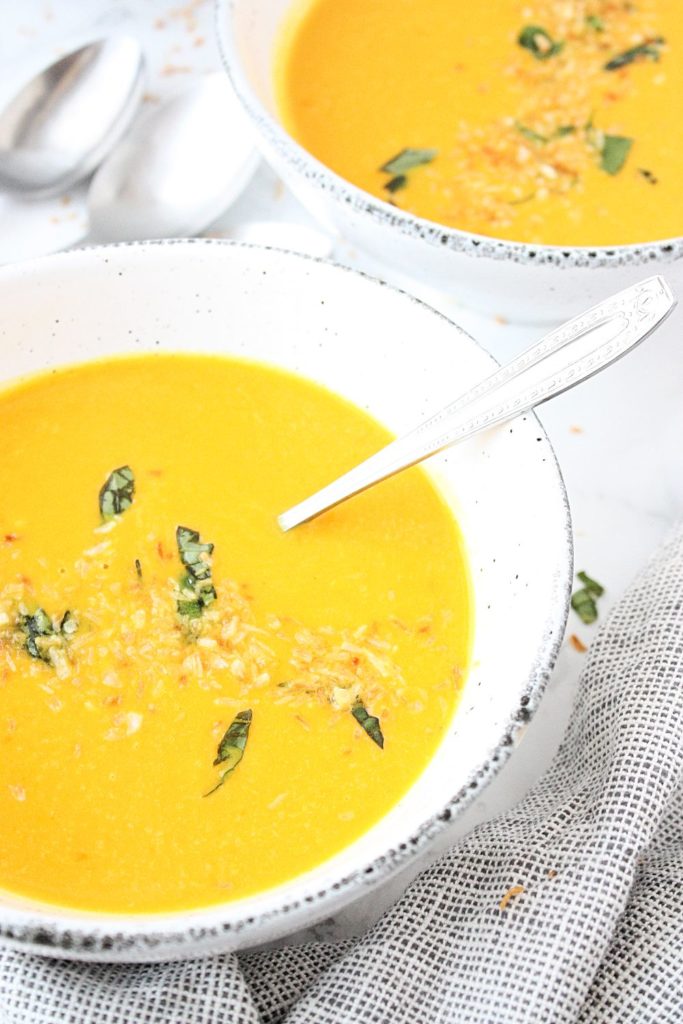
178, 168
567, 356
61, 124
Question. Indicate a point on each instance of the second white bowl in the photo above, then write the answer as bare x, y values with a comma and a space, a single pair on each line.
534, 283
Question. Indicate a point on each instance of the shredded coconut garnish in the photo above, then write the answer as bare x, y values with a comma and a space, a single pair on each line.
134, 623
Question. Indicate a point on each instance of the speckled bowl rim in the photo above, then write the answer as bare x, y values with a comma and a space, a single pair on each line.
344, 193
176, 936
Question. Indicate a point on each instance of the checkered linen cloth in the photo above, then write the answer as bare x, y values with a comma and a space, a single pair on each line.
592, 932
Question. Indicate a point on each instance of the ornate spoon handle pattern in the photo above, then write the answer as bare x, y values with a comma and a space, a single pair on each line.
565, 357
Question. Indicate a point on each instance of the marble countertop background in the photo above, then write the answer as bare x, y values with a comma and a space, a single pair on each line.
618, 438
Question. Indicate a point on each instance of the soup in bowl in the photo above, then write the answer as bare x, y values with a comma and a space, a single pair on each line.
214, 732
525, 158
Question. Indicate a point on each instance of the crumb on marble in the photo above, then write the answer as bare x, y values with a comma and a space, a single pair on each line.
187, 14
175, 69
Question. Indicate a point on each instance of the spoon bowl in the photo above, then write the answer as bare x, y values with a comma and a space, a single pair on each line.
177, 170
61, 124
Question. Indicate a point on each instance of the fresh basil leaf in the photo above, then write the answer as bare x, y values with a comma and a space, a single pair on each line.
584, 601
197, 590
592, 586
407, 159
596, 23
195, 556
193, 607
533, 136
584, 605
368, 722
530, 134
190, 608
614, 152
396, 183
68, 625
235, 737
207, 595
231, 748
116, 494
39, 624
649, 50
538, 42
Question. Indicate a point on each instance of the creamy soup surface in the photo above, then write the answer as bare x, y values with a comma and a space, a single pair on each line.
531, 120
195, 706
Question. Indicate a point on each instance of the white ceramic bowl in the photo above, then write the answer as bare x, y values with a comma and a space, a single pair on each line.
400, 360
535, 283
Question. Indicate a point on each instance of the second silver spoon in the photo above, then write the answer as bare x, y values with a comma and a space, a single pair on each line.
178, 169
62, 122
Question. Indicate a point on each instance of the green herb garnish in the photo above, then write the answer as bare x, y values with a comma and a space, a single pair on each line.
585, 607
231, 747
68, 625
648, 175
39, 627
400, 164
36, 626
592, 586
197, 590
584, 600
559, 133
116, 495
614, 152
649, 50
530, 134
407, 159
395, 184
195, 556
138, 568
368, 722
538, 42
190, 608
596, 23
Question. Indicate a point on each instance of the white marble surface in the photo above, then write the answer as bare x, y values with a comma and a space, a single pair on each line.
618, 437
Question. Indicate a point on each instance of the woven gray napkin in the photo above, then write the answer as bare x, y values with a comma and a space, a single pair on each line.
567, 908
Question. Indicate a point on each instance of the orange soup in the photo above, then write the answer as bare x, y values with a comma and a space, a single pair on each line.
195, 706
531, 120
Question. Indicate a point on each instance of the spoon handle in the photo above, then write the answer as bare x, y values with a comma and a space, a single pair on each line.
566, 356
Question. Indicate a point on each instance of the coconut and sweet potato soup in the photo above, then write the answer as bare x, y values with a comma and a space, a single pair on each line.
195, 706
545, 121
